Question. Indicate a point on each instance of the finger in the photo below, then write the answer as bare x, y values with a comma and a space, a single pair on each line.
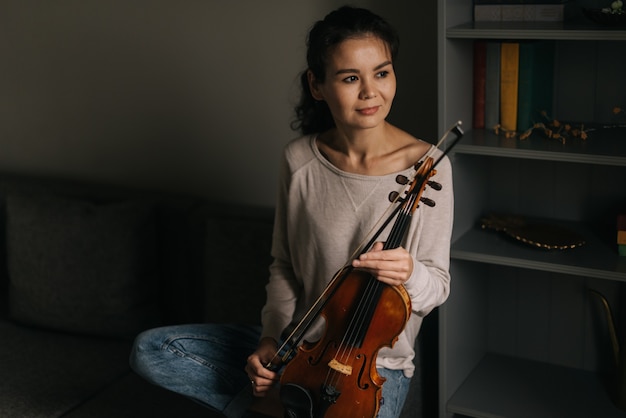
262, 375
260, 387
391, 279
257, 382
390, 255
385, 267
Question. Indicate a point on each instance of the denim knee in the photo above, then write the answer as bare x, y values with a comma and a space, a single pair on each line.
138, 352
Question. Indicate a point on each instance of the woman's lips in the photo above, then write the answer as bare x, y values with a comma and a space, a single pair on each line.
368, 110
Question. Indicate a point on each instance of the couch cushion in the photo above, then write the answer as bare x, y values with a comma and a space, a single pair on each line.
134, 397
81, 267
45, 374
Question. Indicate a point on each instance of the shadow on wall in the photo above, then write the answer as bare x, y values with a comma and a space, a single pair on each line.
169, 95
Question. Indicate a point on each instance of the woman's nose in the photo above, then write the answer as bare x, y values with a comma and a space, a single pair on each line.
367, 92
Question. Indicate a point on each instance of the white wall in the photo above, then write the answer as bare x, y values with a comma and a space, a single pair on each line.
188, 95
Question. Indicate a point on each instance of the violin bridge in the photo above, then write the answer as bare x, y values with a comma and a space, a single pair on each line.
341, 368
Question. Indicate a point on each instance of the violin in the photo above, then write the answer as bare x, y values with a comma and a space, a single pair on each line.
336, 376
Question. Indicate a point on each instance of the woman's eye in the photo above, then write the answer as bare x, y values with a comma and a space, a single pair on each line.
383, 74
350, 79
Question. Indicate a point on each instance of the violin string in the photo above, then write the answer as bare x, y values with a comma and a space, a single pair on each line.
300, 329
344, 353
374, 287
359, 321
355, 326
372, 293
313, 312
361, 247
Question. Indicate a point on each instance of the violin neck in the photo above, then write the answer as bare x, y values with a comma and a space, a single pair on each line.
400, 226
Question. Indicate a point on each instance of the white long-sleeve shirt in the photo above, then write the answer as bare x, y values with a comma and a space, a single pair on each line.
323, 214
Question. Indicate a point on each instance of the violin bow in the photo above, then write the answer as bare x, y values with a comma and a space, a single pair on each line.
296, 335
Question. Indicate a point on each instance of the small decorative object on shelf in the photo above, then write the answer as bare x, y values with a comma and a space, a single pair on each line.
619, 117
537, 234
554, 129
550, 128
615, 15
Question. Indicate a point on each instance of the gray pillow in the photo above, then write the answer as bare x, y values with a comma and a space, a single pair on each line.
82, 267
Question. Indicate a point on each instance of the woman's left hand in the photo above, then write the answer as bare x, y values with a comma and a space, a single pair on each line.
393, 267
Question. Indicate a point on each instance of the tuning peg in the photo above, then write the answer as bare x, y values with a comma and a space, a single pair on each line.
400, 179
434, 185
393, 196
427, 201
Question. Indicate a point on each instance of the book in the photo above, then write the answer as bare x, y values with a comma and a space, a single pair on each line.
535, 82
621, 234
520, 1
492, 85
479, 67
488, 13
509, 75
520, 12
621, 237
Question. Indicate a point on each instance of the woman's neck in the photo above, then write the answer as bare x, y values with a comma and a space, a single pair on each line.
377, 151
361, 144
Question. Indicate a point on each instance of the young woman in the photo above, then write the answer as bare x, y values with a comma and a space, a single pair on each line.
334, 187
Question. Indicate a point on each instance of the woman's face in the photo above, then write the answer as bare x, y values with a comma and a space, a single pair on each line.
360, 83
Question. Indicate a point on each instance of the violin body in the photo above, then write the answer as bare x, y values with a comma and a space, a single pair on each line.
336, 376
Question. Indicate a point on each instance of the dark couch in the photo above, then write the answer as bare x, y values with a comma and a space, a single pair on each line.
85, 267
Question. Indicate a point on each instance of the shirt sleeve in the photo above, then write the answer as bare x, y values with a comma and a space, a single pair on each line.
282, 289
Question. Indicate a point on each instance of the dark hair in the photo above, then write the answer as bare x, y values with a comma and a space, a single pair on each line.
344, 23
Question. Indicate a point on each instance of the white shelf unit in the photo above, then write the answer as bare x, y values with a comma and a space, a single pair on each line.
518, 336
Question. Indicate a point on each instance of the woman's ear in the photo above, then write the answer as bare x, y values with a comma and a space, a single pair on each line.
313, 86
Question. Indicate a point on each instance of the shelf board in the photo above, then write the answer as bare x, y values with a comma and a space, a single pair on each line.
505, 387
594, 259
536, 30
604, 146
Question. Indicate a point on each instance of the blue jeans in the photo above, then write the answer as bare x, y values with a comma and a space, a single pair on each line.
205, 362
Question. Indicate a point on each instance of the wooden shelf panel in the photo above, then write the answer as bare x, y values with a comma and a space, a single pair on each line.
505, 387
594, 259
585, 183
536, 30
604, 146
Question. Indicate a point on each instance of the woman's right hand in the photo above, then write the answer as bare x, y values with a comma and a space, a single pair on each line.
262, 378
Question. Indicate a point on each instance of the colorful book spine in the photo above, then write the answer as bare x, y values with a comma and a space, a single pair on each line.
492, 85
480, 56
535, 82
621, 234
509, 76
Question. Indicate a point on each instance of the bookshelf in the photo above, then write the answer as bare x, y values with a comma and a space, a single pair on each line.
518, 336
534, 30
